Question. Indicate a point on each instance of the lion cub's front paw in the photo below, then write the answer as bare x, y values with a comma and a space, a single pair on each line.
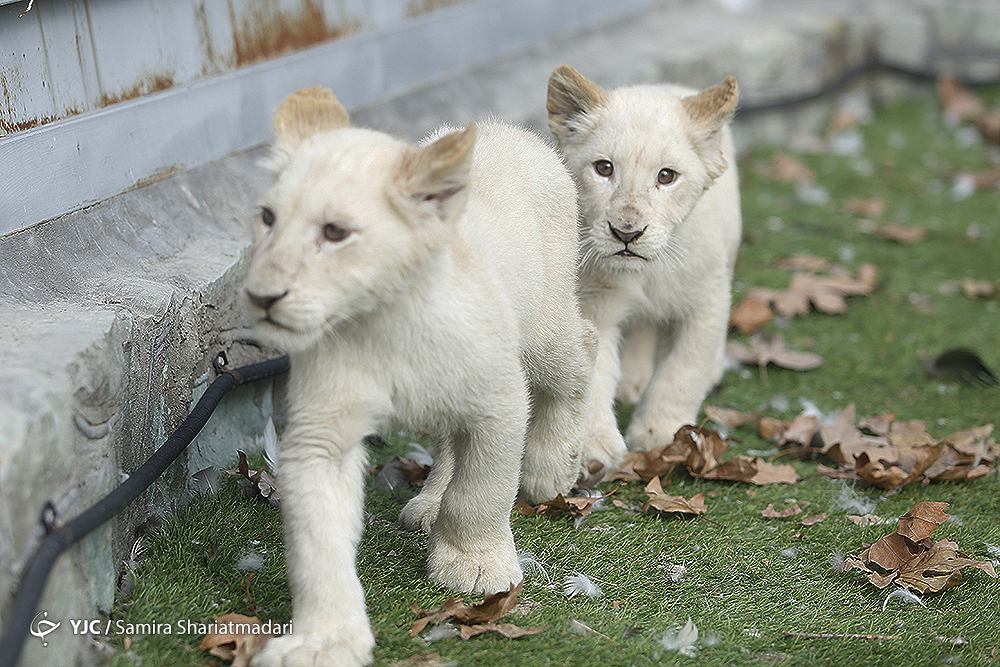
483, 571
603, 450
420, 512
316, 650
645, 437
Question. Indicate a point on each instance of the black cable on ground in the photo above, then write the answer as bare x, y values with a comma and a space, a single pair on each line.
65, 535
846, 78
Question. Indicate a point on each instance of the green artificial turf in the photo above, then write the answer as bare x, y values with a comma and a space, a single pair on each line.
748, 580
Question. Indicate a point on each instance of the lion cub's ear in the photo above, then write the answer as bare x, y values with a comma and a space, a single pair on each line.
710, 111
306, 112
570, 97
433, 180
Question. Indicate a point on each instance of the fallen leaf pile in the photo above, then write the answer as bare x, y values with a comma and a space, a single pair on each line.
699, 450
236, 648
475, 619
881, 450
909, 558
816, 284
264, 484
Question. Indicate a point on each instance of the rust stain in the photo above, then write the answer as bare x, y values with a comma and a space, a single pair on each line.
158, 175
265, 31
152, 84
416, 8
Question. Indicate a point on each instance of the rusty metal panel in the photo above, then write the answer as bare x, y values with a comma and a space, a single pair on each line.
101, 96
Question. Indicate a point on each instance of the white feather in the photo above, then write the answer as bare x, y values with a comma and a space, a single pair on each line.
269, 442
682, 638
904, 595
579, 584
531, 566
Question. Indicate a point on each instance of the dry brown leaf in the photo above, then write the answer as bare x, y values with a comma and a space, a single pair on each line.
967, 455
988, 124
908, 557
904, 234
572, 505
979, 289
264, 484
826, 293
754, 470
939, 568
660, 501
922, 520
763, 351
869, 208
958, 105
787, 169
771, 513
893, 467
236, 648
813, 520
804, 262
644, 465
481, 614
770, 428
704, 447
749, 315
729, 418
879, 424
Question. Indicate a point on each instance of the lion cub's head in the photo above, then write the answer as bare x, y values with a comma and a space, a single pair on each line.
351, 220
642, 157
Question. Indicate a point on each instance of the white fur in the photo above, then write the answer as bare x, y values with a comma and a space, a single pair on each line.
661, 317
450, 304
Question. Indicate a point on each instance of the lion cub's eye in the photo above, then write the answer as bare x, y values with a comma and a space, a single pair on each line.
267, 216
335, 234
666, 176
604, 168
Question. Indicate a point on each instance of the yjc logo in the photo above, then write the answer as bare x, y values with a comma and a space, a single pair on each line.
41, 627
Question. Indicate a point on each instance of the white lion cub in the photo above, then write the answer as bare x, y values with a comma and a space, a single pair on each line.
430, 285
659, 228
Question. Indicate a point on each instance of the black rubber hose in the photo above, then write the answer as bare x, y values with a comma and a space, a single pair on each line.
846, 78
65, 535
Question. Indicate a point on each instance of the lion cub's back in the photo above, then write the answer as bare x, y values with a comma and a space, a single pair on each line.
523, 202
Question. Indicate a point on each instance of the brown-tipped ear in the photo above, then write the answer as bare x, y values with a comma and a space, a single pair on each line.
570, 96
306, 112
435, 178
710, 111
713, 107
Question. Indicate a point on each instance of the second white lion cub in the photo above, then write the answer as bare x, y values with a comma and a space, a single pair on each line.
428, 285
659, 228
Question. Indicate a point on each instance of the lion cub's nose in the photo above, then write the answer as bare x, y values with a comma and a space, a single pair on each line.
265, 301
625, 237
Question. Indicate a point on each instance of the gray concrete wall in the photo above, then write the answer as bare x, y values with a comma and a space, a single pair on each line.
111, 314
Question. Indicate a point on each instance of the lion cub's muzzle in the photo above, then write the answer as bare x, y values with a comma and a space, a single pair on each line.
627, 237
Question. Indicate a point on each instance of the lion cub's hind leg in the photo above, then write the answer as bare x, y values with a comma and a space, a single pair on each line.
560, 385
422, 510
